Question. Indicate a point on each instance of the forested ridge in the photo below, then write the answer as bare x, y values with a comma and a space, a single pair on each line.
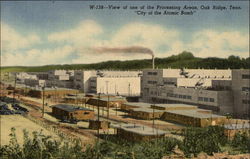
184, 59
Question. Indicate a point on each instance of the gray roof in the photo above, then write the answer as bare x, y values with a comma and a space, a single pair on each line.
237, 126
69, 108
53, 89
138, 104
141, 104
175, 105
194, 113
149, 110
111, 99
140, 129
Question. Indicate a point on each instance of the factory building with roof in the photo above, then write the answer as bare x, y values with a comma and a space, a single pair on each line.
180, 113
107, 101
232, 129
193, 117
222, 91
135, 132
70, 112
51, 92
126, 83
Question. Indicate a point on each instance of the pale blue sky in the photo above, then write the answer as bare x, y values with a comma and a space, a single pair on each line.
49, 28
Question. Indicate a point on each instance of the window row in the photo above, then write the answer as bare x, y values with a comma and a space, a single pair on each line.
244, 101
179, 96
152, 73
152, 82
245, 76
205, 99
153, 93
169, 83
247, 89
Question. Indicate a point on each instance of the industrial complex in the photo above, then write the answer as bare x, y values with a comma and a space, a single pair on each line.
222, 91
135, 105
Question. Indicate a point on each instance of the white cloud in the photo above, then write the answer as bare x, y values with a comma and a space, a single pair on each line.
148, 35
73, 45
208, 43
38, 57
84, 34
151, 36
12, 40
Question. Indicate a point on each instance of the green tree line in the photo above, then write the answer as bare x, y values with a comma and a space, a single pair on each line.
184, 59
196, 140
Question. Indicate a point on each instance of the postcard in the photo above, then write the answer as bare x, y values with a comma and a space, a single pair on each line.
138, 79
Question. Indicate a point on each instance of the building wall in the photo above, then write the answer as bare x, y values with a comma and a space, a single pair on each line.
95, 81
162, 87
78, 114
222, 84
230, 133
145, 115
102, 103
129, 86
52, 93
95, 124
241, 92
34, 82
192, 121
126, 107
82, 79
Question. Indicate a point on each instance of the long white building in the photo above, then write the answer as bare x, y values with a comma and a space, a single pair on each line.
108, 82
217, 90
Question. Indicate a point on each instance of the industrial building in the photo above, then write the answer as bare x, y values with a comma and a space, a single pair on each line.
146, 113
70, 112
51, 93
101, 124
53, 78
241, 92
107, 101
222, 91
193, 117
232, 129
126, 83
131, 105
75, 99
137, 132
180, 113
141, 110
34, 82
173, 106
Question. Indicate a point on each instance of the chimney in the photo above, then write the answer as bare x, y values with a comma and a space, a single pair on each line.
153, 61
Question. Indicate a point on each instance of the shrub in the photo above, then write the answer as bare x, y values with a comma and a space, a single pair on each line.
241, 141
206, 140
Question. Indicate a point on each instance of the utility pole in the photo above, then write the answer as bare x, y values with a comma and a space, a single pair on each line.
14, 90
108, 108
128, 89
107, 87
43, 100
85, 100
115, 89
98, 120
116, 109
153, 117
98, 114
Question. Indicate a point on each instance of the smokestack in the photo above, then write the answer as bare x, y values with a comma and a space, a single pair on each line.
153, 61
